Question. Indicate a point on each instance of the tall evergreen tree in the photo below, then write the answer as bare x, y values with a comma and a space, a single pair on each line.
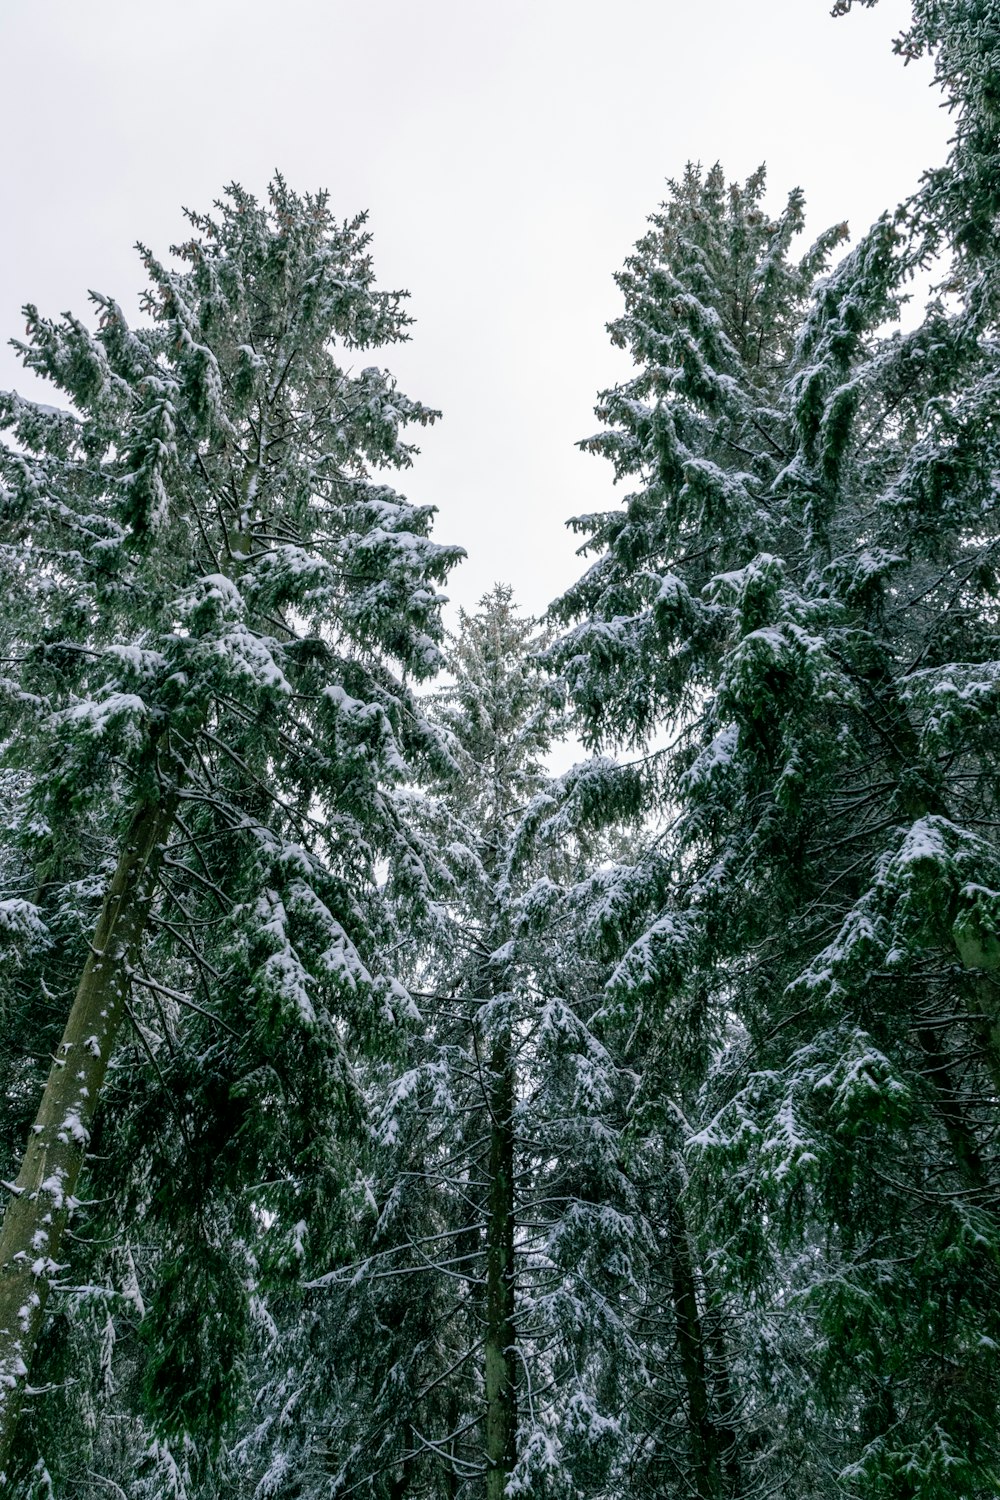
802, 591
479, 1316
212, 596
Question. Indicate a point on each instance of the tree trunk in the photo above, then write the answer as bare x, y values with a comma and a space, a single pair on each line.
691, 1346
37, 1215
399, 1488
725, 1429
501, 1402
951, 1112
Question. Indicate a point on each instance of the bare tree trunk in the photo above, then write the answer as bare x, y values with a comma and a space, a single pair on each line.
37, 1215
501, 1385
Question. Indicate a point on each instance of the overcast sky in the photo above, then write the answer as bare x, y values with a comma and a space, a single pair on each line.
508, 154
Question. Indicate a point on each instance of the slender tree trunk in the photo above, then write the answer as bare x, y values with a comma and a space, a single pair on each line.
399, 1487
37, 1215
501, 1393
691, 1346
727, 1449
451, 1479
951, 1111
986, 987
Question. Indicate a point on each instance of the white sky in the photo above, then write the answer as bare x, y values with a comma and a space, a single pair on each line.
508, 153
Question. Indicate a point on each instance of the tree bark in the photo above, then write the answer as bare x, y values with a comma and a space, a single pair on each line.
725, 1429
42, 1198
691, 1346
501, 1385
951, 1112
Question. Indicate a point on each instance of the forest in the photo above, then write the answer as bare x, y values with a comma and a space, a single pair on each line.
388, 1116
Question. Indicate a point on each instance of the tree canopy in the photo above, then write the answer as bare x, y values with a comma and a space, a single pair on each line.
389, 1116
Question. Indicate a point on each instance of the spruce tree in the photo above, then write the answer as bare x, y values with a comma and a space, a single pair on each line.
712, 304
801, 590
212, 595
479, 1315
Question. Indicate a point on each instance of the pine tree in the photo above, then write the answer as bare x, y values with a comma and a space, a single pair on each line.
712, 304
212, 596
478, 1314
802, 592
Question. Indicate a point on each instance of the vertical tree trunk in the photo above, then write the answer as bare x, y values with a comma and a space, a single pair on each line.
501, 1403
951, 1111
399, 1488
37, 1215
725, 1425
691, 1346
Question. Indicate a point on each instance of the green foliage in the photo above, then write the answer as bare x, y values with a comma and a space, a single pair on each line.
197, 1325
799, 592
743, 990
392, 1388
217, 598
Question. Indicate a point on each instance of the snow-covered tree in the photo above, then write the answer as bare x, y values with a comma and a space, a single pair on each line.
210, 598
472, 1339
801, 591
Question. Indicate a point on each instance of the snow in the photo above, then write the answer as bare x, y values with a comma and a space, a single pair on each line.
643, 963
540, 1458
138, 661
284, 973
926, 841
789, 1148
715, 760
72, 1126
352, 707
120, 711
53, 1188
340, 959
252, 656
212, 588
20, 919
